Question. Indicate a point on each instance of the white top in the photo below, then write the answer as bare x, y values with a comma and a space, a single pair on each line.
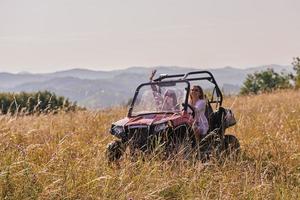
200, 119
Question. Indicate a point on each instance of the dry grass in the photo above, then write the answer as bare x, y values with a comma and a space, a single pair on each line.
62, 157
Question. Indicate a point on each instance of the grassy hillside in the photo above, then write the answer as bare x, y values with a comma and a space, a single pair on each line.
62, 157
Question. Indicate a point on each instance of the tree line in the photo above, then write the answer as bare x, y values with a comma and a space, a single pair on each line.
37, 102
269, 80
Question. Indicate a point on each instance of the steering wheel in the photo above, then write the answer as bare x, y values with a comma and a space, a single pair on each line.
192, 109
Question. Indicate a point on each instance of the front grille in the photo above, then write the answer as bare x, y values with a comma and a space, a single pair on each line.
138, 136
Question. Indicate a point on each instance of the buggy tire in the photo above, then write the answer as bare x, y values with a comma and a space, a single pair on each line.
232, 146
115, 150
210, 146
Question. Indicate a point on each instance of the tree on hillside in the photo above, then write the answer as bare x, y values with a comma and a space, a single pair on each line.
296, 67
265, 81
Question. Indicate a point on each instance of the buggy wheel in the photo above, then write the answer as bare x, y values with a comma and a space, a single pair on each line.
232, 146
115, 150
210, 146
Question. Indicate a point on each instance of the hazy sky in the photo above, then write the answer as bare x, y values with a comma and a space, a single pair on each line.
51, 35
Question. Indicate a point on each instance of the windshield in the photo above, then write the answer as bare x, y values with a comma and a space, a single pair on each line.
160, 98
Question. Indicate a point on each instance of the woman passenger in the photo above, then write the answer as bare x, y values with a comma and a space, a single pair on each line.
167, 101
198, 102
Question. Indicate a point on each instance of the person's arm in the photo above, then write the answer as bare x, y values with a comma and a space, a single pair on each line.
201, 106
157, 95
154, 89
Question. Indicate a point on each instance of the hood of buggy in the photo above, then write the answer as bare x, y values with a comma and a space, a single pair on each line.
150, 119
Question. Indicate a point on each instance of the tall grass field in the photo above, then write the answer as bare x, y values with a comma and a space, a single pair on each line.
62, 156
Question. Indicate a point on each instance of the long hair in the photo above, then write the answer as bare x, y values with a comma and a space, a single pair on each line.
201, 94
171, 93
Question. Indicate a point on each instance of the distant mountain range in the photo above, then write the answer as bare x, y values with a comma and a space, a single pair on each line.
100, 89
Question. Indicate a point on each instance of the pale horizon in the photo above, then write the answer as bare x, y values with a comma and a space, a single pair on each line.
55, 35
124, 68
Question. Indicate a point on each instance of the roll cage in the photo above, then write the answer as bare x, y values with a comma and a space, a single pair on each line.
207, 76
188, 77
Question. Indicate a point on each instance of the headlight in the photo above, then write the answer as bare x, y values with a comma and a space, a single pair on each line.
160, 127
118, 131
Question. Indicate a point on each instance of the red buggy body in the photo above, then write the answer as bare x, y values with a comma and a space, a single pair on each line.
153, 122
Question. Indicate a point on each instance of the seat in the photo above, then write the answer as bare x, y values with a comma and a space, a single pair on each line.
215, 120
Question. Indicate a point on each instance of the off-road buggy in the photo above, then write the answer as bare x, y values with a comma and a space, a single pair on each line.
150, 126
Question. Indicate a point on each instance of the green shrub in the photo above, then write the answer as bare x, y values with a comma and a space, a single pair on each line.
29, 103
265, 81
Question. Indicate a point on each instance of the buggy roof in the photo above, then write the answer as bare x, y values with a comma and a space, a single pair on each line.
195, 76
